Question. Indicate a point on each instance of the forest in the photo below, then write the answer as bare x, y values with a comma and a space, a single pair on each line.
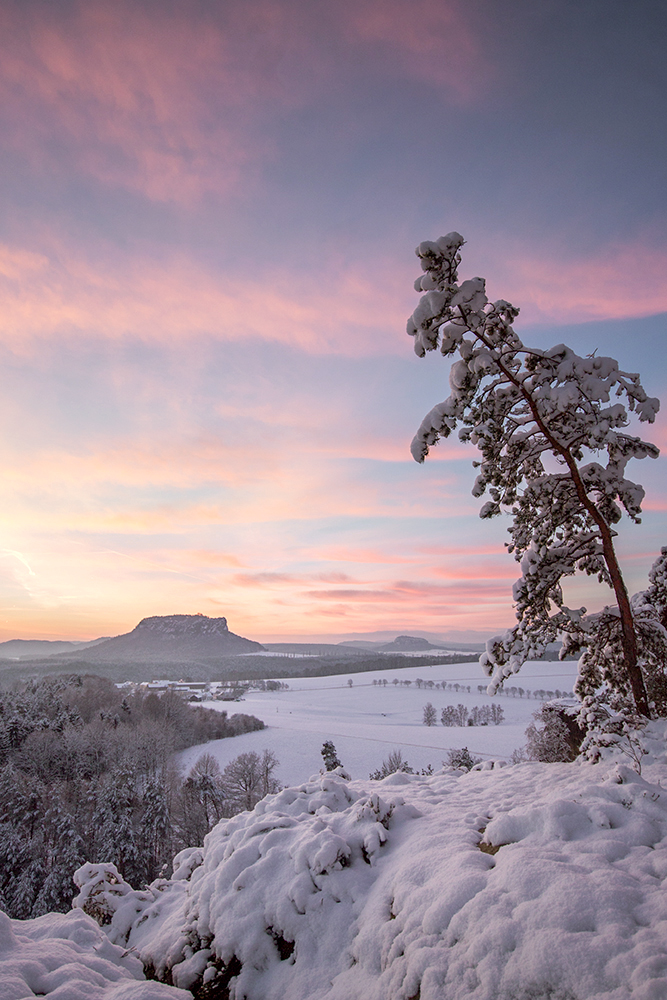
87, 774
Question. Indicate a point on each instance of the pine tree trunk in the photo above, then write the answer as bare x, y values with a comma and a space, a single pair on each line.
630, 652
629, 636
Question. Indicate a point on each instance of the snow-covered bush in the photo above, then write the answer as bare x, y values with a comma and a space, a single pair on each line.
520, 405
462, 759
611, 725
555, 735
330, 757
393, 763
600, 642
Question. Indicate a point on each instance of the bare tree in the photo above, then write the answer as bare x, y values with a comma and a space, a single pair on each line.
430, 715
249, 777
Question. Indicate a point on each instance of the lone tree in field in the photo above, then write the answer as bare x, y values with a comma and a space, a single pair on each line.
331, 759
520, 406
430, 715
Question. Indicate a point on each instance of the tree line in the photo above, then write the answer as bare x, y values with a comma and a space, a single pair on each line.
459, 715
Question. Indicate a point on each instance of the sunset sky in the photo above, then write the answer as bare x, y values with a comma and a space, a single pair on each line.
209, 214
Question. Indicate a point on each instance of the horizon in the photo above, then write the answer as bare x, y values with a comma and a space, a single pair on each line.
386, 635
207, 265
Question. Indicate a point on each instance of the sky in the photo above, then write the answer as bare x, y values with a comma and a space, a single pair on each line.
208, 215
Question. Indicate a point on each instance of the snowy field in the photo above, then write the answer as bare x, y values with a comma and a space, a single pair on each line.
366, 722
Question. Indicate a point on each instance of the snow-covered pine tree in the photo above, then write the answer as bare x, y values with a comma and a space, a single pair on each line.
331, 759
156, 826
520, 406
600, 642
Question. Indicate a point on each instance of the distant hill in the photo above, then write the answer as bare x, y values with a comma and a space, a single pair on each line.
407, 644
30, 649
169, 638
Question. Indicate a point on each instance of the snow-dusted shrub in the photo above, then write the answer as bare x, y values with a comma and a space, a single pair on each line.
600, 641
554, 736
519, 405
393, 763
330, 757
610, 724
462, 758
102, 890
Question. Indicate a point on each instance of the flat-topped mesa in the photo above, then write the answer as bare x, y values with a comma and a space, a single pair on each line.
172, 638
184, 624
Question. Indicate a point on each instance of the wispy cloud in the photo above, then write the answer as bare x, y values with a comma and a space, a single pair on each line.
149, 100
112, 296
617, 281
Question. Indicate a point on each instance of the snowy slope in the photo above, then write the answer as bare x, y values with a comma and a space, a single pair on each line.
507, 883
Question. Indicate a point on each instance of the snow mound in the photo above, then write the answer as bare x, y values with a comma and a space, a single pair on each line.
67, 957
505, 883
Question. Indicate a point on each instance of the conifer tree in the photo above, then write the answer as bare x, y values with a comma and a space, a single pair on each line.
330, 756
521, 406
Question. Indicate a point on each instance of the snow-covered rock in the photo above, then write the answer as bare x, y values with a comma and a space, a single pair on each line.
505, 883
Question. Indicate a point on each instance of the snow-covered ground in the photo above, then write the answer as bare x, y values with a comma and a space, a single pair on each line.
525, 882
66, 956
366, 722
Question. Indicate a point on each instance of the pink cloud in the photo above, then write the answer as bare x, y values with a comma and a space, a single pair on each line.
157, 462
368, 556
151, 103
618, 281
58, 292
264, 579
372, 596
64, 293
288, 579
170, 103
455, 550
486, 571
407, 590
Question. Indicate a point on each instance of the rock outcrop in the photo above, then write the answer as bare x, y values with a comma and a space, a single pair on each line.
165, 638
